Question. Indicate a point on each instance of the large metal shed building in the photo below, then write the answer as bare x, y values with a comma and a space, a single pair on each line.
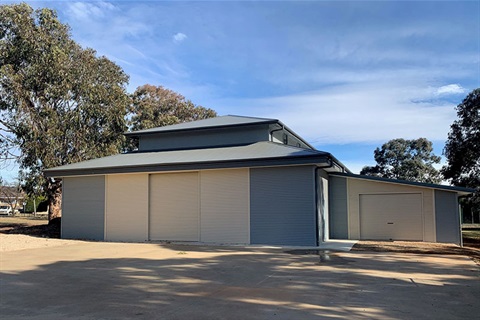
242, 180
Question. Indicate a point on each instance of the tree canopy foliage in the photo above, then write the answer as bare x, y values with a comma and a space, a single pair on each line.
156, 106
462, 149
402, 159
59, 103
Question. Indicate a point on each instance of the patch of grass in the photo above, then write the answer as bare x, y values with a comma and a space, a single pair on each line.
471, 238
23, 220
31, 226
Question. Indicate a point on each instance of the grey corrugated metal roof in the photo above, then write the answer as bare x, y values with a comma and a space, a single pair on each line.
260, 153
222, 121
411, 183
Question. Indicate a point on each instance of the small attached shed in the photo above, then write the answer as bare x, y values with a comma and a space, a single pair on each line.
372, 208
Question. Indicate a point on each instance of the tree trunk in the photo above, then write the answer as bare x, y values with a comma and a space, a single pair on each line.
55, 204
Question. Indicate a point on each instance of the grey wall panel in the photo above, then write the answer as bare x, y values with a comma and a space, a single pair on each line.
210, 138
338, 213
83, 208
282, 206
447, 219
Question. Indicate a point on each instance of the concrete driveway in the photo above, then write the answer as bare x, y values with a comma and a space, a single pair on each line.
93, 280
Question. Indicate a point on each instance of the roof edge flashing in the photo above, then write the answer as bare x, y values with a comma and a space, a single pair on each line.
314, 159
406, 182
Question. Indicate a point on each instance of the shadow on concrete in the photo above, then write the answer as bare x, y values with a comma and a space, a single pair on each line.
193, 282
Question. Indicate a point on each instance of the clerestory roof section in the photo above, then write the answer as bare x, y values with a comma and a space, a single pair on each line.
222, 122
253, 155
211, 123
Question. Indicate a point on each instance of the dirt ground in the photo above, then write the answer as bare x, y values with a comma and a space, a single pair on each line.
17, 233
104, 280
107, 280
471, 246
418, 247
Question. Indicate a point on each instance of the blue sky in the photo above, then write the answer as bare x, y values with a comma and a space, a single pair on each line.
346, 76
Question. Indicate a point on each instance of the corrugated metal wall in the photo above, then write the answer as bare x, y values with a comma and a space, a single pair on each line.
282, 206
209, 138
174, 206
447, 218
83, 207
338, 208
224, 206
127, 207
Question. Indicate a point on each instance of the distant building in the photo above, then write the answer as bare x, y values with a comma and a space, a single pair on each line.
12, 196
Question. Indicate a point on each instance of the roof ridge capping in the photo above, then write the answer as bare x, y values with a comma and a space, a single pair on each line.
249, 117
209, 123
412, 183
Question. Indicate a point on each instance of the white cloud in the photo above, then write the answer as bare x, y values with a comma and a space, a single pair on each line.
357, 113
367, 85
179, 37
102, 24
450, 89
89, 10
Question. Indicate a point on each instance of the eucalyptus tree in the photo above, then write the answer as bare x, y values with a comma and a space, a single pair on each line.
402, 159
156, 106
59, 103
462, 149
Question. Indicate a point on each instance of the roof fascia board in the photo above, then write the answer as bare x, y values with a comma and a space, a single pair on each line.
251, 163
404, 182
340, 164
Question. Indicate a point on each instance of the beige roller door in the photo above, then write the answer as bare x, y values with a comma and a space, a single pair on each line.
127, 207
391, 216
225, 206
174, 206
